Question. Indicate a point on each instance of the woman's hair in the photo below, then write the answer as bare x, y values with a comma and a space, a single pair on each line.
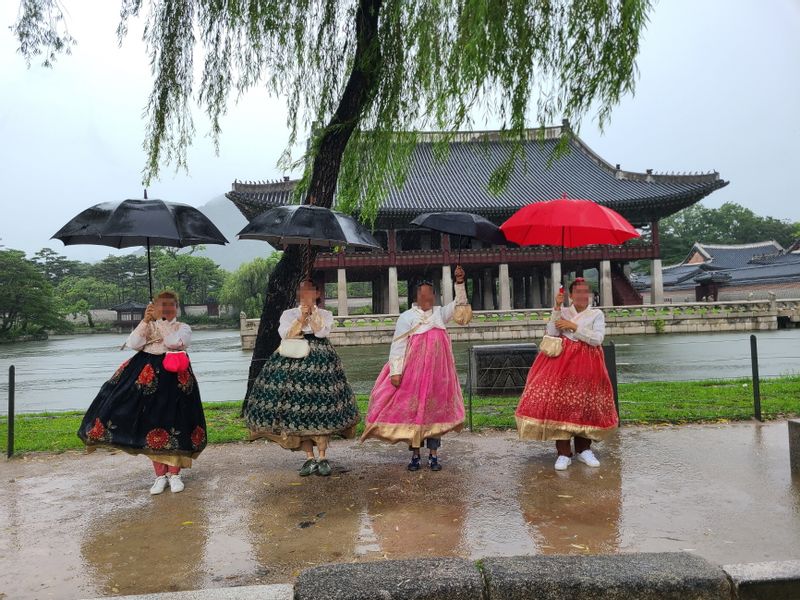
167, 295
579, 280
420, 282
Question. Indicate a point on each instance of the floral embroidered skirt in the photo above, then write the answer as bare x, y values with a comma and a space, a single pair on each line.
428, 402
567, 396
145, 409
302, 399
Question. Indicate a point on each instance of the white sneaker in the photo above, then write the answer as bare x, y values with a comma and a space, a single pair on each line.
587, 457
563, 462
175, 484
159, 485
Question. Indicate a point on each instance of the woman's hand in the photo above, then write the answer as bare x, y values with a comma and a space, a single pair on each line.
396, 380
565, 325
559, 301
305, 312
150, 313
459, 273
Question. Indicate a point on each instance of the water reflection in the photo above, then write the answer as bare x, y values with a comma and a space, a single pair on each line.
156, 545
384, 513
575, 511
295, 524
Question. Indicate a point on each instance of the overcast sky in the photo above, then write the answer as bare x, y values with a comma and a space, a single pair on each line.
719, 89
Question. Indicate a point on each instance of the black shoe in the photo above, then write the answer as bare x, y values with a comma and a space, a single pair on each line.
433, 463
414, 464
309, 467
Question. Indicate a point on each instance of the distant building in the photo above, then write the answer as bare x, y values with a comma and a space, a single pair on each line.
501, 277
731, 272
128, 314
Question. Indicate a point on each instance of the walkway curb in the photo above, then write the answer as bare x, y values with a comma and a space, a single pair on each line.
416, 579
634, 576
769, 580
661, 576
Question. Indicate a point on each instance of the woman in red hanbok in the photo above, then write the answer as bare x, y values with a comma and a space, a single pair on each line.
570, 395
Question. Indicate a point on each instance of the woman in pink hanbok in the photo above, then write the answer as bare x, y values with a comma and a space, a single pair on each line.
417, 397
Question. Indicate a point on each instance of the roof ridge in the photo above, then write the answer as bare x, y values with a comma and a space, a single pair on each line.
741, 246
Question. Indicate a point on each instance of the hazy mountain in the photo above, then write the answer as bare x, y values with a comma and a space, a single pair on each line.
230, 221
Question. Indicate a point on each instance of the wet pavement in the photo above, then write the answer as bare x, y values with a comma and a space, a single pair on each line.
74, 525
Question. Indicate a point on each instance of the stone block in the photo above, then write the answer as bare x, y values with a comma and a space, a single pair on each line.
416, 579
638, 576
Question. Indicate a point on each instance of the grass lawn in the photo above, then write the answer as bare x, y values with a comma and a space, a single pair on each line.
652, 402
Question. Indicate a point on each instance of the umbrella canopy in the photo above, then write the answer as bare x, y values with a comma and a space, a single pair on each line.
140, 223
462, 224
567, 222
306, 224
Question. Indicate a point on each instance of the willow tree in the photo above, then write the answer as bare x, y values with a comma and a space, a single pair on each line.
359, 76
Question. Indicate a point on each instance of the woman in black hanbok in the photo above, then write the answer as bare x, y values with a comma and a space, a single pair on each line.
151, 404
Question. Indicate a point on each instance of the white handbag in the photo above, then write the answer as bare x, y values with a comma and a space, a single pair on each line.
294, 348
462, 314
551, 346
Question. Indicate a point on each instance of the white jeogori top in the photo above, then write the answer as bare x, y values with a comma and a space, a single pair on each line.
423, 321
159, 337
591, 325
320, 323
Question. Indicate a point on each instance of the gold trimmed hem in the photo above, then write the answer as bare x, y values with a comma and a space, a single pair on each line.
539, 430
167, 457
414, 435
293, 441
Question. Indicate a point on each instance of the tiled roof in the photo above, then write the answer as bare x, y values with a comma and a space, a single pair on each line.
732, 265
129, 305
460, 182
721, 256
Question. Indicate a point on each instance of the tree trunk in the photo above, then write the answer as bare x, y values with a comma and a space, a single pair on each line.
357, 95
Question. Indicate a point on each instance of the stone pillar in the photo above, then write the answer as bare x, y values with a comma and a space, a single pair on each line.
656, 283
437, 290
519, 292
544, 295
341, 292
447, 285
606, 295
555, 281
505, 288
477, 293
526, 284
394, 302
488, 290
376, 296
547, 289
536, 291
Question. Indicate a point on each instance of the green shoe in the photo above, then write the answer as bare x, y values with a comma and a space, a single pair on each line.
309, 467
323, 468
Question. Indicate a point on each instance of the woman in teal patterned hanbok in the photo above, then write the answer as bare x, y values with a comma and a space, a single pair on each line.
301, 401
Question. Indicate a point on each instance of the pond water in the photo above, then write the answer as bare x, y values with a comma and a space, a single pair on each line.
65, 372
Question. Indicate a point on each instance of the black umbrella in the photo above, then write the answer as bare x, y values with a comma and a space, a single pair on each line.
309, 225
462, 224
141, 223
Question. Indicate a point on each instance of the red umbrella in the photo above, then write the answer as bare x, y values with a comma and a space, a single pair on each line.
568, 223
